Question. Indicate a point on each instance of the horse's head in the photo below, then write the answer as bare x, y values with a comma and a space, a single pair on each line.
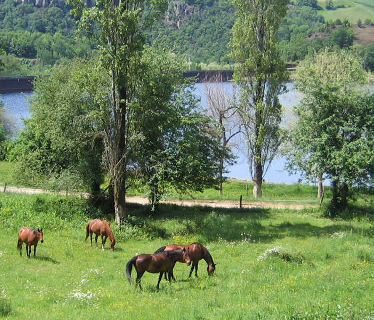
211, 268
185, 257
112, 243
40, 235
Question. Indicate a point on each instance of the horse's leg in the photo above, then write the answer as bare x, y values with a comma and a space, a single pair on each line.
19, 246
103, 240
96, 236
28, 250
196, 267
171, 275
193, 265
34, 249
91, 237
159, 279
138, 277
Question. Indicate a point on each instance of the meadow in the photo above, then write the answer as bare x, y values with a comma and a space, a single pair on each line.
353, 10
271, 264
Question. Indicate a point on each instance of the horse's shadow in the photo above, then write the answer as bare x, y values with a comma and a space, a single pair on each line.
119, 249
47, 259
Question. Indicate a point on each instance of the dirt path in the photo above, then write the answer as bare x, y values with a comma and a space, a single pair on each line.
187, 203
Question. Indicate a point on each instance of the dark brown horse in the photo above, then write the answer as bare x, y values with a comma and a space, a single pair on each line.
102, 228
196, 251
30, 237
163, 262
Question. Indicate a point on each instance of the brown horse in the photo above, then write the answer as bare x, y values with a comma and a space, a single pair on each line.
31, 238
196, 251
102, 228
163, 262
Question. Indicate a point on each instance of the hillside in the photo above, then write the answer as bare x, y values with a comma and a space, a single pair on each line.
348, 9
36, 34
364, 35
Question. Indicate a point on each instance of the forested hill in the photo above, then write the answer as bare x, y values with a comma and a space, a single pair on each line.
35, 34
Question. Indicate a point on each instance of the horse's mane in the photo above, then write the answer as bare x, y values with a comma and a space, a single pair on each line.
208, 258
108, 230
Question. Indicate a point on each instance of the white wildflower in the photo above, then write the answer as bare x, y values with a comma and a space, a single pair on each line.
77, 294
273, 251
340, 234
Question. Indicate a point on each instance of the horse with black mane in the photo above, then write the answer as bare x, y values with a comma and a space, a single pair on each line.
196, 251
163, 262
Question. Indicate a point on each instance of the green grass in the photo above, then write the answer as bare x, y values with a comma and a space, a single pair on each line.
354, 10
317, 268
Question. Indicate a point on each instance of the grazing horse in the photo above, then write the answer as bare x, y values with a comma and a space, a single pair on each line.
30, 237
196, 251
163, 262
102, 228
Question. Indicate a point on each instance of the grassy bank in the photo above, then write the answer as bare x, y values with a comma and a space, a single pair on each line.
271, 264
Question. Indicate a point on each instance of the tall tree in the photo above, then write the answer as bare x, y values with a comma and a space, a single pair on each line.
259, 75
334, 132
117, 27
222, 109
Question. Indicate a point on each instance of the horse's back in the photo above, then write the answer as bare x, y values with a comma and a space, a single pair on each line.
27, 235
95, 225
174, 247
196, 251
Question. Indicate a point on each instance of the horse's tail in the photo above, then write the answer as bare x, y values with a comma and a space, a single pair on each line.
19, 245
162, 249
129, 268
87, 231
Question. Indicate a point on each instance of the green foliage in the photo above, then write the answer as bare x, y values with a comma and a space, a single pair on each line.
59, 146
333, 135
308, 3
174, 144
342, 37
367, 55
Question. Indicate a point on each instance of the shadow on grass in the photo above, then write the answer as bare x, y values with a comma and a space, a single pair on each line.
47, 259
210, 224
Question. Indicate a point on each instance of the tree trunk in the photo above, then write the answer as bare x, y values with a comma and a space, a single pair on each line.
221, 177
321, 190
257, 181
119, 200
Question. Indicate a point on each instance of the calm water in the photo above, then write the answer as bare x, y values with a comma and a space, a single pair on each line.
17, 108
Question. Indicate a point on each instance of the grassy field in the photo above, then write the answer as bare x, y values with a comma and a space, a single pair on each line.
353, 10
232, 190
271, 264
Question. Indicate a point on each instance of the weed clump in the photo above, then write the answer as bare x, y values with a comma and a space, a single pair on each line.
283, 255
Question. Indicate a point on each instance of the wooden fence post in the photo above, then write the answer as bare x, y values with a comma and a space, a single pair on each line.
240, 201
4, 187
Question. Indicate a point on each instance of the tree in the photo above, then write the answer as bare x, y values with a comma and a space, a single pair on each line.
6, 130
334, 132
309, 3
174, 146
117, 28
259, 75
221, 108
330, 5
61, 140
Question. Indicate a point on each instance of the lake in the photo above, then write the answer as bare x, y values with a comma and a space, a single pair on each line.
17, 108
